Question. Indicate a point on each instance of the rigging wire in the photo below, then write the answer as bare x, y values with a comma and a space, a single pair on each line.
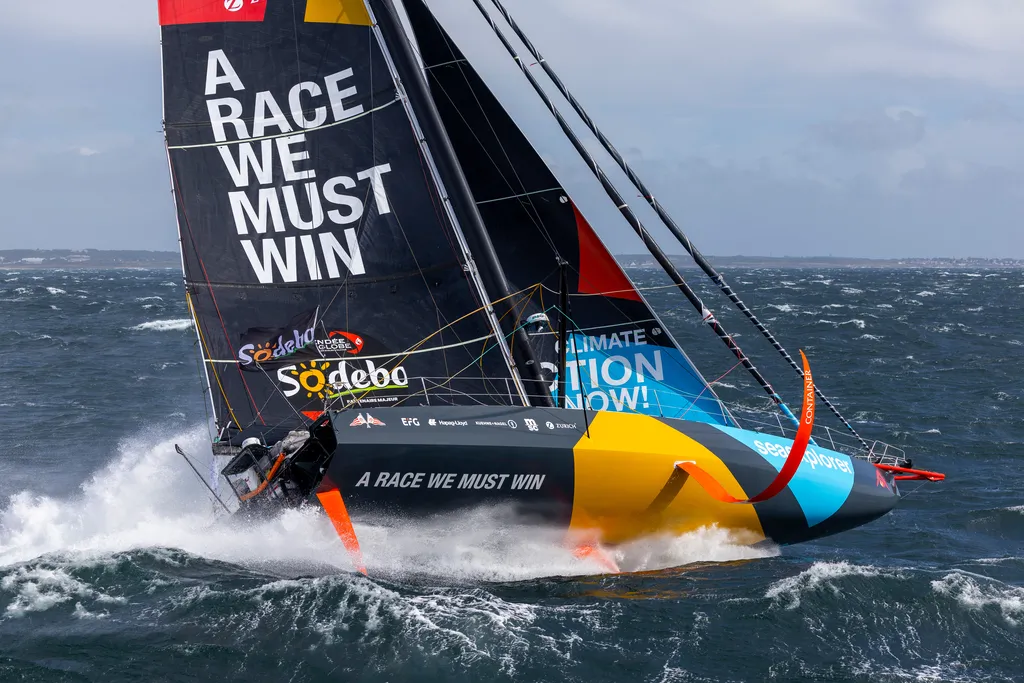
533, 213
706, 315
667, 219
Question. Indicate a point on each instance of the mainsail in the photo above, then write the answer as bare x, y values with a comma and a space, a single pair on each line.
620, 357
321, 259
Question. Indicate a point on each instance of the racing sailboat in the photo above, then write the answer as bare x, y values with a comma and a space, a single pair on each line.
402, 312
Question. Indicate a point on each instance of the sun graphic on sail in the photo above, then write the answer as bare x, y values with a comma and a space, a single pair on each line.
313, 378
263, 352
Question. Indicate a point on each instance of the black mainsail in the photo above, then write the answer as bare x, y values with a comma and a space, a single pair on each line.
321, 258
621, 357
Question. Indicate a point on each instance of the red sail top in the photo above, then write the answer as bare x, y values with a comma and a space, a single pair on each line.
210, 11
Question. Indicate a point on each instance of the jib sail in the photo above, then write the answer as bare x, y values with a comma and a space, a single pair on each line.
621, 357
320, 260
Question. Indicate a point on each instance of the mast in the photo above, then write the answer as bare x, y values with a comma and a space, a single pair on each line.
667, 219
491, 275
663, 260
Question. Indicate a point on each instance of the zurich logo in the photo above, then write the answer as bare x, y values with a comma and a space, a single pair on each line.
233, 5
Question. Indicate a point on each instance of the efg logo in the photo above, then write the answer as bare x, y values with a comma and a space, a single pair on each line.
233, 5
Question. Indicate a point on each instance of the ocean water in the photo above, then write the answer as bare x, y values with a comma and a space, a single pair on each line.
112, 569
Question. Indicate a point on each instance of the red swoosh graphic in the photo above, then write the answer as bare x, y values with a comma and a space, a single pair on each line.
793, 460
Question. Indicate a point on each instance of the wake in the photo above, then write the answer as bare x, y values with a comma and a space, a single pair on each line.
147, 498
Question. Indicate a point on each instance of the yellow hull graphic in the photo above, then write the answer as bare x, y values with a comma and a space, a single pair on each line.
628, 461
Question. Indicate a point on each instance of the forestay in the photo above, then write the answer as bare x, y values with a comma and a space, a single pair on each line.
621, 357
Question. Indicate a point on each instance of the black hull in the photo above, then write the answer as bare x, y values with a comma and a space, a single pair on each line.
618, 478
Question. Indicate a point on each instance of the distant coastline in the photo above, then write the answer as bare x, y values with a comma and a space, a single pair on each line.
819, 262
87, 259
106, 258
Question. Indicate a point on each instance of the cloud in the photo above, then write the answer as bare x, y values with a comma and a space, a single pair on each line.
768, 126
881, 131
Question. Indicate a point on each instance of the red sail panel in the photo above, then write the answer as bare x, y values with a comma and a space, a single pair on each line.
174, 12
599, 272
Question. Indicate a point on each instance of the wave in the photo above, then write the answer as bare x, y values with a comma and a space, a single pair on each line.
39, 588
164, 325
977, 593
785, 308
860, 324
819, 577
871, 337
55, 290
925, 293
852, 290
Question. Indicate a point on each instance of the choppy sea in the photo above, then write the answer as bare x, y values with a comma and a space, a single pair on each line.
111, 568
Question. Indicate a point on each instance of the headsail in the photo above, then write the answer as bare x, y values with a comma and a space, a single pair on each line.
319, 257
622, 357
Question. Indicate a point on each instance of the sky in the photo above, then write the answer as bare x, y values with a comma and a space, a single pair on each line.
860, 128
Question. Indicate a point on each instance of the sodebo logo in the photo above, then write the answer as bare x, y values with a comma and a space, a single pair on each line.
811, 456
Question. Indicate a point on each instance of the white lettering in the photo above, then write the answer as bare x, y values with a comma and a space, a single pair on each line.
263, 265
262, 168
290, 382
219, 119
332, 196
351, 259
316, 209
217, 59
644, 368
298, 113
335, 96
623, 398
309, 254
268, 114
364, 480
612, 361
269, 208
289, 157
379, 195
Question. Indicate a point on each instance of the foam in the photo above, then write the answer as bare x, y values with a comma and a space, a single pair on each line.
148, 498
164, 325
859, 324
821, 575
976, 593
40, 588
